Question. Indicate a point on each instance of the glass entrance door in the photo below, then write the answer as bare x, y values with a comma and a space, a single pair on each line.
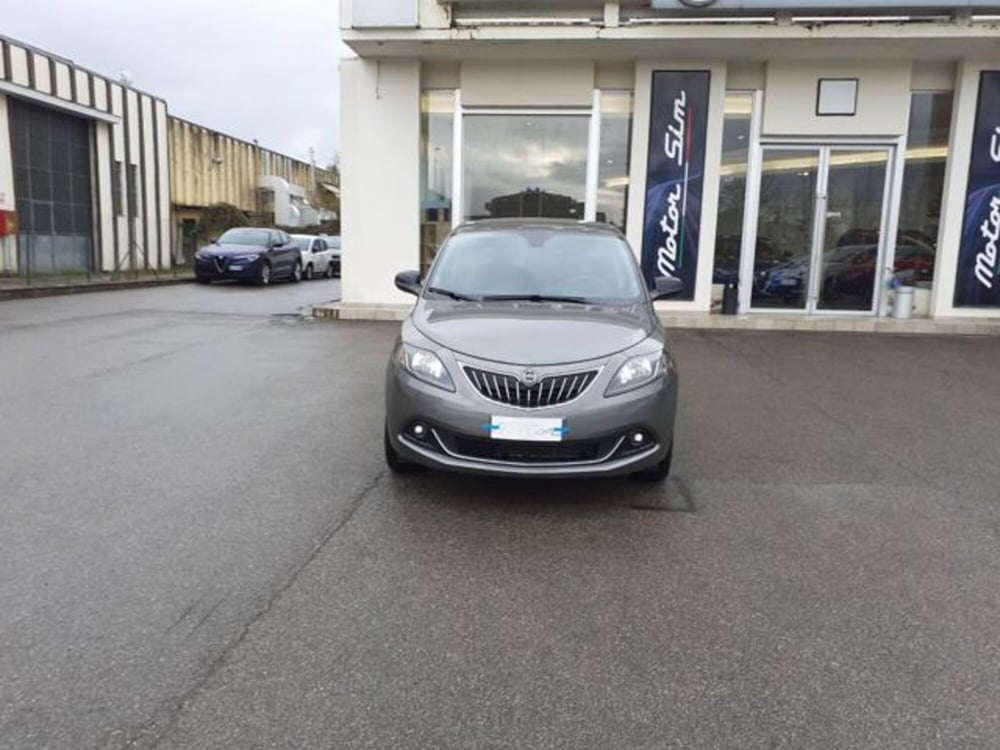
786, 222
820, 228
852, 216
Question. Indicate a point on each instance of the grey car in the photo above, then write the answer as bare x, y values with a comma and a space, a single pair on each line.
533, 350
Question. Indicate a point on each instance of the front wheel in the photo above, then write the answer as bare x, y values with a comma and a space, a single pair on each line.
660, 471
396, 464
329, 270
204, 280
264, 275
309, 272
296, 276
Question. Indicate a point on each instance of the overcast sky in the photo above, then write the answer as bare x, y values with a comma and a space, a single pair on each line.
250, 68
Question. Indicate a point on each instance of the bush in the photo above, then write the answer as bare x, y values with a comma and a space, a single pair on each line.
217, 218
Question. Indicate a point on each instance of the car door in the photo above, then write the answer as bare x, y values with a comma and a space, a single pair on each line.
321, 256
274, 253
289, 253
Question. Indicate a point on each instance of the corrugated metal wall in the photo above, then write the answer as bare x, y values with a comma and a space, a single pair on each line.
208, 167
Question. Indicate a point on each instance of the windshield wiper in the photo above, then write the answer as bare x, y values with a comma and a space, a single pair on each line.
536, 298
452, 295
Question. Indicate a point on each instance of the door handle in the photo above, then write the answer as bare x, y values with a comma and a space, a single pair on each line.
834, 215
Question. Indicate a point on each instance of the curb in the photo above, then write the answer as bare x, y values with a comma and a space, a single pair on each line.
58, 290
715, 322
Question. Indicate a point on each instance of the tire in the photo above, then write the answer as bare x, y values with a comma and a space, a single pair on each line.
203, 280
308, 275
296, 276
329, 270
661, 471
264, 276
396, 464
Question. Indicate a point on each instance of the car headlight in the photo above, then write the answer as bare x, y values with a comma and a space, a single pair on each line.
424, 365
203, 255
637, 372
251, 256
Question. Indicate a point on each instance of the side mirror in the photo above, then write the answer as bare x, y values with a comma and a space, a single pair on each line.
667, 286
409, 282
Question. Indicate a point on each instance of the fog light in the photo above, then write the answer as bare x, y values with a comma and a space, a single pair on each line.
419, 431
638, 438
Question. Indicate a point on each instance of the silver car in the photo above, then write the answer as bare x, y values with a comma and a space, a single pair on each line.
533, 350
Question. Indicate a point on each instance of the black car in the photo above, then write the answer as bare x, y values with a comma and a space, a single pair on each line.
249, 254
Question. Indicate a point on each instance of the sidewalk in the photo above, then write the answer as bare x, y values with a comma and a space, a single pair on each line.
49, 285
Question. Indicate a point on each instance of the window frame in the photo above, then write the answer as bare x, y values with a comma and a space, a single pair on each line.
592, 112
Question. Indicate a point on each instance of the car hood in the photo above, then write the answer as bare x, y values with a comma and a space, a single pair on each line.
228, 251
532, 333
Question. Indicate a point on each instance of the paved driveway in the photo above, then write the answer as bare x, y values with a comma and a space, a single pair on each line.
201, 547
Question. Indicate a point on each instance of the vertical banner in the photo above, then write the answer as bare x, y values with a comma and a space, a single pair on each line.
978, 281
675, 176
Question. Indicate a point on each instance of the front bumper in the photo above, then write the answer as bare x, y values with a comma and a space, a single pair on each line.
455, 434
227, 268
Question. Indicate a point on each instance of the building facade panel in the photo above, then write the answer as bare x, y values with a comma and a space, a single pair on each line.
382, 126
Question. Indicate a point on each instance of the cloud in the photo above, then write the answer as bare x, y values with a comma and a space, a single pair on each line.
255, 69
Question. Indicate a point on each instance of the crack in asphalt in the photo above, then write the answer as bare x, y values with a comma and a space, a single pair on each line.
162, 723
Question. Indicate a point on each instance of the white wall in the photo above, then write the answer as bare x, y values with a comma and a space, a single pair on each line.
380, 176
8, 245
528, 84
710, 188
105, 208
882, 107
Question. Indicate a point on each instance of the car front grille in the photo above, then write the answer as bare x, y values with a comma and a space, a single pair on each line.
549, 391
527, 452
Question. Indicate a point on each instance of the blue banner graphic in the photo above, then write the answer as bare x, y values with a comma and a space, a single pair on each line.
978, 281
675, 176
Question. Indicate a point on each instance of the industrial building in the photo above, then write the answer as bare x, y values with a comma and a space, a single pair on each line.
812, 156
96, 175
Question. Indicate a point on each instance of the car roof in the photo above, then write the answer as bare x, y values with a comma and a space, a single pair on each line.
555, 225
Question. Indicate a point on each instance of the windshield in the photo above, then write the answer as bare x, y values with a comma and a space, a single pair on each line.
302, 242
333, 242
536, 263
241, 236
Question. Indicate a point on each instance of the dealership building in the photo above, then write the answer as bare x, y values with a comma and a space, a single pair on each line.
806, 158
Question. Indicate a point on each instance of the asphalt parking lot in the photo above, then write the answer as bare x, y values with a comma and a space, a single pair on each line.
202, 547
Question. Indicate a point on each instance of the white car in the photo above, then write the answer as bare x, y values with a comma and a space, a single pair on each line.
320, 255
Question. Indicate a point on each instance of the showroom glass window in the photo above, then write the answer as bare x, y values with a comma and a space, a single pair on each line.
531, 164
615, 151
923, 186
437, 123
733, 185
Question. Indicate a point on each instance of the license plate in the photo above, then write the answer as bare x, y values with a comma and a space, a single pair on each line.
539, 430
236, 268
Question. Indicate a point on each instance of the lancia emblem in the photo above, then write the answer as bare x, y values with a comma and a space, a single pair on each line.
529, 377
